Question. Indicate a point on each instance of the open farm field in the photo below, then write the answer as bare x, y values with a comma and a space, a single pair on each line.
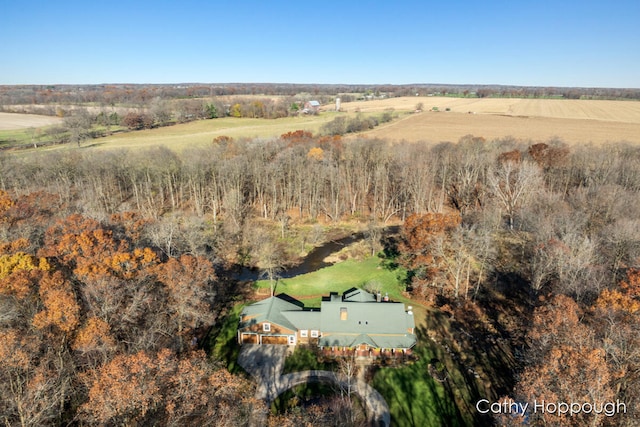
449, 126
574, 121
12, 121
202, 132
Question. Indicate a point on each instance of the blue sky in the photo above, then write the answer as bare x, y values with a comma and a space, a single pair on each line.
530, 43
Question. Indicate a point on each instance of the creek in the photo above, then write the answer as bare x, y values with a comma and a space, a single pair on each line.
315, 259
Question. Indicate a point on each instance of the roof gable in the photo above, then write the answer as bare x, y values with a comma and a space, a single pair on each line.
270, 310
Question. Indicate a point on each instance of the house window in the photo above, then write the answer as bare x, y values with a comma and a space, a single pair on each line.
266, 327
343, 313
314, 334
304, 333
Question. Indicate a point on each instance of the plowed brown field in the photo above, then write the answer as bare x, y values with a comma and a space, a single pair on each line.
11, 121
573, 121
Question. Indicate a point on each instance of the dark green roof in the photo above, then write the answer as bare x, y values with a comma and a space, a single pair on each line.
271, 310
378, 324
358, 295
304, 319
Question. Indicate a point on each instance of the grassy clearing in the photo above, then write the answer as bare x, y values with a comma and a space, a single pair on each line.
339, 277
202, 132
14, 137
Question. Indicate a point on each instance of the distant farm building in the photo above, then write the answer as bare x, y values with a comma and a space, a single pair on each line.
311, 107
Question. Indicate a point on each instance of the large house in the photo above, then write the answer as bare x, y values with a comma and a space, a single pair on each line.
354, 321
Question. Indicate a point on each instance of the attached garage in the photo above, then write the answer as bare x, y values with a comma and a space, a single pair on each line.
246, 338
275, 339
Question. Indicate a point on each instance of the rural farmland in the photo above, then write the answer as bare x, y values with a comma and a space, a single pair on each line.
573, 121
13, 121
441, 119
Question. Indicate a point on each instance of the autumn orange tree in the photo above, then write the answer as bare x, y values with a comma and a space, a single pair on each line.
566, 364
616, 322
35, 379
61, 310
88, 304
161, 389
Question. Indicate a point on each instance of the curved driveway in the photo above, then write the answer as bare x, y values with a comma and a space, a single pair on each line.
265, 363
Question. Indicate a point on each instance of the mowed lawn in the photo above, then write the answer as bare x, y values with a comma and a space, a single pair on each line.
414, 397
339, 277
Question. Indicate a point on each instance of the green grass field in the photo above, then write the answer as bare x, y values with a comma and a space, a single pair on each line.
414, 397
14, 137
197, 133
202, 132
339, 277
180, 136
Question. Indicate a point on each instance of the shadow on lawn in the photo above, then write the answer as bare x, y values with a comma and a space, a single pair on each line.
221, 342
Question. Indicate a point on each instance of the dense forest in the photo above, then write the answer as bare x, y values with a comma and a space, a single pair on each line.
115, 264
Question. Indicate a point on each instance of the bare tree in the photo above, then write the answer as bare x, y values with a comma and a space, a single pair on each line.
269, 256
79, 125
512, 183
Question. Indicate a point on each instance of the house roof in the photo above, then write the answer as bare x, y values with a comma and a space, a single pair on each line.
272, 310
345, 321
380, 317
304, 319
358, 295
358, 319
314, 103
373, 340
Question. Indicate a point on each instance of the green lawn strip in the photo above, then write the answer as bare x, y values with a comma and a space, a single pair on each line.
340, 277
222, 341
196, 133
14, 137
23, 138
305, 358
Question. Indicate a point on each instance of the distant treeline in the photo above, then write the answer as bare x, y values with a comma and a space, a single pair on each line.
141, 94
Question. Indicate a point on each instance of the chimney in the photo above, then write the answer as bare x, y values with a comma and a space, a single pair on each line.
343, 313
